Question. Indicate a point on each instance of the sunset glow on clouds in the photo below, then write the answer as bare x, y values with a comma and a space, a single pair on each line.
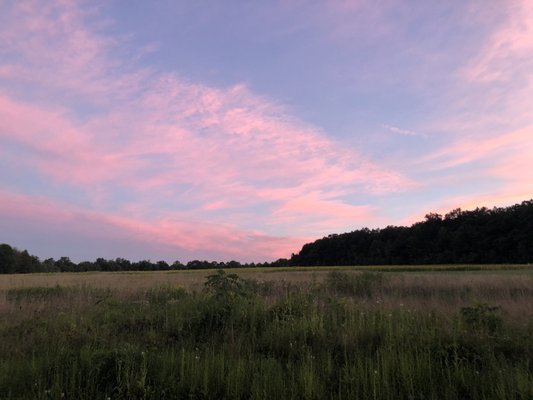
172, 131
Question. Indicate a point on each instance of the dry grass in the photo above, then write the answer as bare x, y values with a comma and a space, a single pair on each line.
450, 292
193, 280
417, 291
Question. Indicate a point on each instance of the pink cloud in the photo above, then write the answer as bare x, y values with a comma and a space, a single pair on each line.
517, 144
490, 131
503, 53
504, 158
172, 235
59, 147
501, 74
182, 150
325, 215
53, 47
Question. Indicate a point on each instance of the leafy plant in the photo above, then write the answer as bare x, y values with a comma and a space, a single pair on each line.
227, 286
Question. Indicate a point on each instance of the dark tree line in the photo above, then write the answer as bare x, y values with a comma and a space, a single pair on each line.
14, 261
488, 236
497, 235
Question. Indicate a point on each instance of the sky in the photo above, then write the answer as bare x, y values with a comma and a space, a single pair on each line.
220, 130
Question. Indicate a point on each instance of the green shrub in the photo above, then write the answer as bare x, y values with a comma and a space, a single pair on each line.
227, 286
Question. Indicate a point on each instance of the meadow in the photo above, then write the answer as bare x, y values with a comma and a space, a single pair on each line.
436, 332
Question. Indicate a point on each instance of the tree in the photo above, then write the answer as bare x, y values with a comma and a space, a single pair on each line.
7, 259
162, 266
500, 235
65, 265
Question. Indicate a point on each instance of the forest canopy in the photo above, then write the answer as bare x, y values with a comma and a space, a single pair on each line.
480, 236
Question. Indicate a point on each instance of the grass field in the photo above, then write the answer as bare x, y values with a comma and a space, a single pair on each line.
437, 332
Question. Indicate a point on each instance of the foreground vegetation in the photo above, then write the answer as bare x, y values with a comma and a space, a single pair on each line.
338, 335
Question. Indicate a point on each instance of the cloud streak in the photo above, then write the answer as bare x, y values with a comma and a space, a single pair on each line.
488, 135
163, 238
401, 131
97, 138
150, 149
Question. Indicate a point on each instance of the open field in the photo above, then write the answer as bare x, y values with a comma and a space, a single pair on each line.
192, 279
309, 333
442, 287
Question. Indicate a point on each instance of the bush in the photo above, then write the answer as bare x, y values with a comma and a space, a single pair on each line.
227, 286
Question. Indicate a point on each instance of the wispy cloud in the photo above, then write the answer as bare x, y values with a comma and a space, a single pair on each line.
401, 131
488, 136
169, 238
146, 154
502, 56
150, 149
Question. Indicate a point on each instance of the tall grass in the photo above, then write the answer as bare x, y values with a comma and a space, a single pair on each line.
242, 339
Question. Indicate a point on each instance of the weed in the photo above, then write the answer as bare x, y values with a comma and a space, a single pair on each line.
227, 286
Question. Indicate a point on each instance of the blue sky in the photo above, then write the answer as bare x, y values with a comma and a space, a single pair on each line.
241, 130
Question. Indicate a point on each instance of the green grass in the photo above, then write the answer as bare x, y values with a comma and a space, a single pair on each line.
244, 339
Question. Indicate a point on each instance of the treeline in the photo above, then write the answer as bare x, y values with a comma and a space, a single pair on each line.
484, 236
14, 261
481, 236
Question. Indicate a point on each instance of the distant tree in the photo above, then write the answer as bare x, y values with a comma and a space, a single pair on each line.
454, 214
144, 265
162, 266
197, 264
433, 217
177, 265
86, 266
123, 265
233, 264
26, 263
7, 259
65, 265
101, 264
49, 265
